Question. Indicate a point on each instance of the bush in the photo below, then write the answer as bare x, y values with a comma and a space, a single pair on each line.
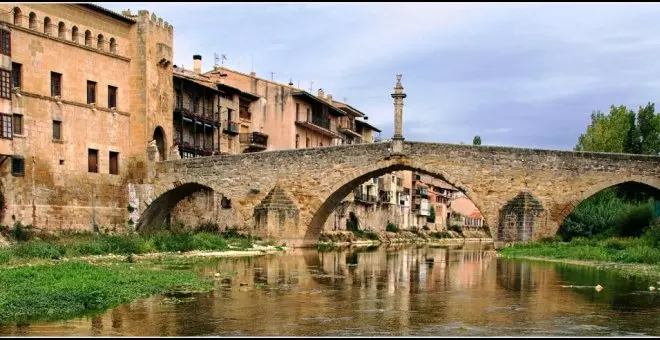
352, 222
425, 227
21, 233
208, 227
39, 249
652, 234
391, 227
456, 227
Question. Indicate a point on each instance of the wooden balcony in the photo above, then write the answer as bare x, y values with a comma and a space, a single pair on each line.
363, 197
255, 141
211, 118
230, 127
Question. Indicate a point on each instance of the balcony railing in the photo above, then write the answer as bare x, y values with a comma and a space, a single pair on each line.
321, 121
364, 197
210, 117
196, 149
230, 127
254, 139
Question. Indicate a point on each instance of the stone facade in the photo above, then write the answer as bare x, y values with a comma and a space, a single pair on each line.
316, 180
61, 123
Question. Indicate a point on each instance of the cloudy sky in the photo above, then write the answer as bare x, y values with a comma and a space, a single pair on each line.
526, 75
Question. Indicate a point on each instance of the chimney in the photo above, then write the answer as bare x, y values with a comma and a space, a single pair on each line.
366, 118
253, 74
329, 96
320, 94
197, 63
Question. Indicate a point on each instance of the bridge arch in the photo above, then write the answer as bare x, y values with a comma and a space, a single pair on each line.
569, 207
327, 203
155, 215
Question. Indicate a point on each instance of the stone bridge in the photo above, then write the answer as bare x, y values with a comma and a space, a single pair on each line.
522, 193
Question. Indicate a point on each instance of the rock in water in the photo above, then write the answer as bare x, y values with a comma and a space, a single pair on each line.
599, 288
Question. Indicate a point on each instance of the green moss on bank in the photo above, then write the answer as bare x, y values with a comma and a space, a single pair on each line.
72, 289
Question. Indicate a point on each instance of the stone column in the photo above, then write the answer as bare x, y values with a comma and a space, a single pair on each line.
398, 96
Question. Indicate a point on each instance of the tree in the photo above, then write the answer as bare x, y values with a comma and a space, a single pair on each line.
607, 133
476, 140
431, 218
648, 123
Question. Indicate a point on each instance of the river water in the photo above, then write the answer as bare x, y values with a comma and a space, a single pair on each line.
387, 290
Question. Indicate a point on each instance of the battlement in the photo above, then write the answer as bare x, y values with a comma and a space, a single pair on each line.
151, 18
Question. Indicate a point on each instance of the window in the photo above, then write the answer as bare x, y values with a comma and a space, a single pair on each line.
61, 30
17, 166
307, 142
18, 124
91, 92
57, 130
309, 114
74, 34
18, 17
114, 163
229, 114
88, 38
16, 74
5, 84
5, 43
297, 139
55, 84
112, 96
100, 42
47, 23
297, 111
33, 21
5, 123
113, 45
93, 160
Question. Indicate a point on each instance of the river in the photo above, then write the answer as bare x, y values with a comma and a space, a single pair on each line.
387, 290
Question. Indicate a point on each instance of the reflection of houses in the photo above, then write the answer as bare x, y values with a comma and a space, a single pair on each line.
520, 218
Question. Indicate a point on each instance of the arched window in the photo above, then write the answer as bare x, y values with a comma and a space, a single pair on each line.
47, 25
18, 17
74, 34
113, 45
61, 30
88, 38
100, 42
33, 21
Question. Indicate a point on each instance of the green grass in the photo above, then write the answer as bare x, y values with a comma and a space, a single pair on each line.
72, 289
621, 250
83, 244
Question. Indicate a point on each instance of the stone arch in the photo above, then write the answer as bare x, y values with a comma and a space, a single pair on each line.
155, 215
113, 45
75, 34
61, 30
159, 137
565, 209
88, 38
100, 42
33, 21
18, 17
337, 191
47, 25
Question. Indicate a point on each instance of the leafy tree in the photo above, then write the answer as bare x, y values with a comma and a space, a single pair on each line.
476, 140
623, 131
431, 217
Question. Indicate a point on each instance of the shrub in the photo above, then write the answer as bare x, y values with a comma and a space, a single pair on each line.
21, 233
352, 222
391, 227
652, 233
425, 227
208, 227
39, 249
456, 227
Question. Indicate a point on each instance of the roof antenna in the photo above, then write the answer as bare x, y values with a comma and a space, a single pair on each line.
252, 67
271, 75
298, 84
216, 57
290, 82
344, 100
310, 85
223, 57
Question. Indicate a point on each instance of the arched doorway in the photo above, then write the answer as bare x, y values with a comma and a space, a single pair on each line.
157, 215
159, 137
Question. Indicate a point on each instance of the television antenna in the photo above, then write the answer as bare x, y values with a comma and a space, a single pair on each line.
216, 57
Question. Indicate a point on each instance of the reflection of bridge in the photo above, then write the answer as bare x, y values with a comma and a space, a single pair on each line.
522, 193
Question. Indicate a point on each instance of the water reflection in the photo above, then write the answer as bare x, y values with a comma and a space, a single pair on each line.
387, 290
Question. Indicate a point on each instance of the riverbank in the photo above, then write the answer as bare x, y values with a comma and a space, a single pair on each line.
366, 238
628, 256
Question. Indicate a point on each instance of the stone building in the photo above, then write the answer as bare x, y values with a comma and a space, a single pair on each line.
84, 91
